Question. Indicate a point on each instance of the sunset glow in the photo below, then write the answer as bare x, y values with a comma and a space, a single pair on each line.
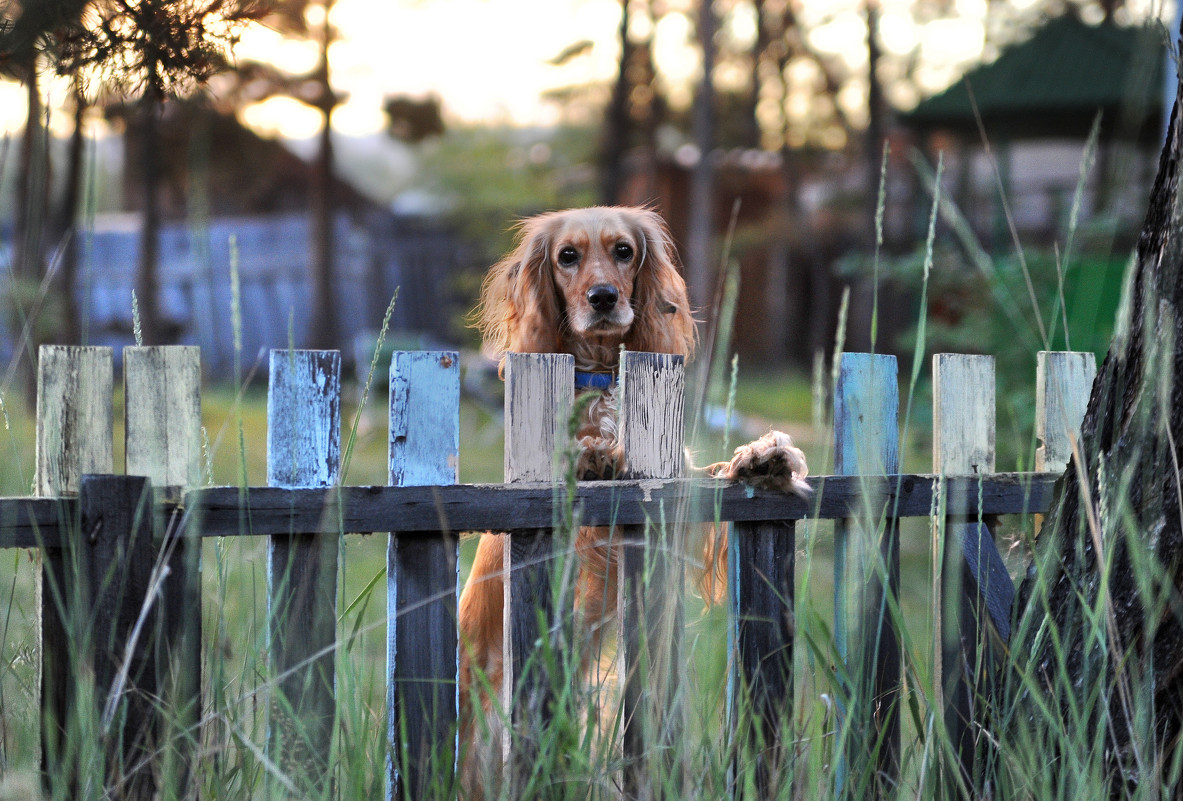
488, 59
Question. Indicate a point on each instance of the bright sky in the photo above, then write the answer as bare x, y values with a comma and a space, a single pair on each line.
487, 59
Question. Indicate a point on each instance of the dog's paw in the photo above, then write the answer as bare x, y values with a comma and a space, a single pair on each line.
599, 458
771, 462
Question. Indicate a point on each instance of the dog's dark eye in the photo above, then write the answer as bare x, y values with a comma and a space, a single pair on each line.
624, 251
568, 256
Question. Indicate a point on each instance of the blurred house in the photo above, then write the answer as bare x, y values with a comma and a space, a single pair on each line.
1034, 108
226, 190
804, 230
377, 254
793, 221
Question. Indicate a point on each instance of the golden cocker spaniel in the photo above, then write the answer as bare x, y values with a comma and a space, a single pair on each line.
589, 282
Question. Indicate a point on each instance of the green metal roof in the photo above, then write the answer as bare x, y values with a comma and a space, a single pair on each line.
1055, 82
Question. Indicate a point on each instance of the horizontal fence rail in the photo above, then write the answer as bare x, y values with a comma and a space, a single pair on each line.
303, 511
27, 522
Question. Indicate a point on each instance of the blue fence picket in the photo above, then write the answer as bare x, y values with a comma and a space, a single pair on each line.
303, 450
423, 580
866, 443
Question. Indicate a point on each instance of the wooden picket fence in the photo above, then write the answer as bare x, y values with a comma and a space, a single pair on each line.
111, 611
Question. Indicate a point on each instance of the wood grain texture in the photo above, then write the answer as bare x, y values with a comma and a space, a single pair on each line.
303, 450
1063, 381
162, 436
652, 402
74, 436
75, 417
539, 393
424, 438
866, 441
29, 522
34, 522
866, 416
760, 585
530, 506
973, 578
162, 391
304, 418
422, 580
651, 577
116, 555
963, 414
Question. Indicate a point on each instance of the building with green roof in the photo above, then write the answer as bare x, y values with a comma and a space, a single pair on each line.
1021, 123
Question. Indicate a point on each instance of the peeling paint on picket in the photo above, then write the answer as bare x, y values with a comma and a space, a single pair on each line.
303, 450
422, 580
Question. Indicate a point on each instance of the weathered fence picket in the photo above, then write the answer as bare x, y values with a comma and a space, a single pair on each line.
75, 422
115, 574
761, 594
422, 580
110, 608
162, 401
650, 584
972, 575
1062, 384
75, 417
162, 436
303, 450
539, 394
866, 443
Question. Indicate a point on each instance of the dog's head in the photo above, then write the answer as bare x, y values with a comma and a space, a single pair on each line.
588, 280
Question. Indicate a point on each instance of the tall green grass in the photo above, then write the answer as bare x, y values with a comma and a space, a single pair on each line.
1031, 750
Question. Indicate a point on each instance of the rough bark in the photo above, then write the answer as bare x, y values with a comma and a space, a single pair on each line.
1105, 584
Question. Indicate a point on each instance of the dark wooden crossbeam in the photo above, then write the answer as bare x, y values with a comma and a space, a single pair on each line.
230, 511
28, 522
530, 506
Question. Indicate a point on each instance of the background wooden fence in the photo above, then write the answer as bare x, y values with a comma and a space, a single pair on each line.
121, 591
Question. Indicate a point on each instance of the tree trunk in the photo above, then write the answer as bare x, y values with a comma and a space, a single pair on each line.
616, 122
1100, 617
32, 185
325, 329
752, 135
65, 224
147, 279
701, 213
29, 231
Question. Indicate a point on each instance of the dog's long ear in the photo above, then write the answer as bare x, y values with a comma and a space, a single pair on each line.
664, 321
519, 307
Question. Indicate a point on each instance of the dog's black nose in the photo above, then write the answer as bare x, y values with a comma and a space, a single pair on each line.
602, 297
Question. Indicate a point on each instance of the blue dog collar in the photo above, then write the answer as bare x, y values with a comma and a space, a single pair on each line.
589, 380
